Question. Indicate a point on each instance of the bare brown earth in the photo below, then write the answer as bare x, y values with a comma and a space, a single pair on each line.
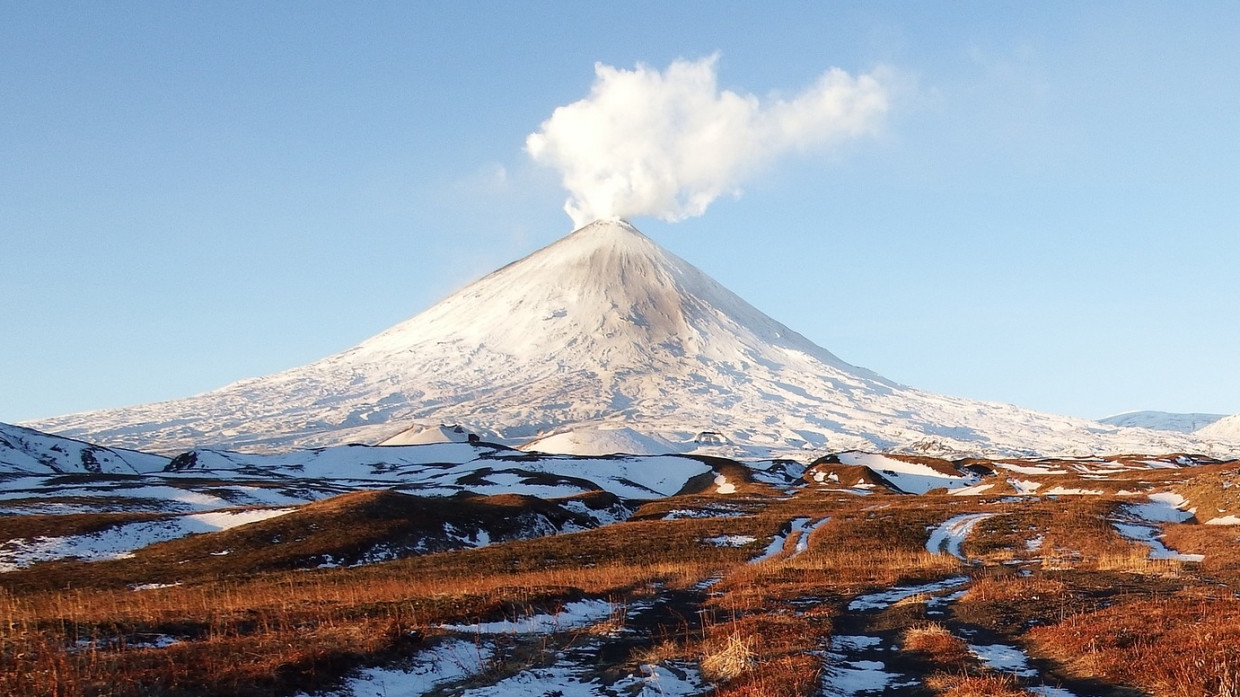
853, 589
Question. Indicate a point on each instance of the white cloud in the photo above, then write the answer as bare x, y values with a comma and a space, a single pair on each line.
667, 144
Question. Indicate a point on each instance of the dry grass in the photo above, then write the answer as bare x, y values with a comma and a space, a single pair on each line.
961, 685
1186, 645
731, 660
1136, 560
276, 632
73, 629
939, 645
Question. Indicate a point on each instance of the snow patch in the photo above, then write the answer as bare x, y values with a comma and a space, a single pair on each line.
909, 477
577, 614
1024, 487
975, 490
1004, 658
1149, 535
1165, 507
449, 661
947, 537
880, 600
1067, 491
730, 540
777, 544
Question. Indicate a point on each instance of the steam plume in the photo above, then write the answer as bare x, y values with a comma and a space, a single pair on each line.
667, 144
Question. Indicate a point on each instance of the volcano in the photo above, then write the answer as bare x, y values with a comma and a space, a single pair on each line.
600, 341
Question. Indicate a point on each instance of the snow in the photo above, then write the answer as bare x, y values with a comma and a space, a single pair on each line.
600, 516
439, 469
1003, 658
381, 463
1029, 469
1165, 507
637, 478
224, 520
566, 679
909, 477
723, 486
947, 537
776, 546
27, 451
880, 600
153, 586
1025, 487
1225, 520
846, 674
975, 490
577, 614
1044, 691
427, 435
447, 662
1139, 523
1072, 491
602, 330
846, 678
121, 541
730, 540
803, 541
1225, 429
844, 642
1148, 535
602, 441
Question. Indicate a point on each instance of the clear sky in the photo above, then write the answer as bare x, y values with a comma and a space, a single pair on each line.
196, 193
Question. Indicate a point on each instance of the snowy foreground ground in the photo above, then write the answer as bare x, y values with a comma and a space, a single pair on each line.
471, 569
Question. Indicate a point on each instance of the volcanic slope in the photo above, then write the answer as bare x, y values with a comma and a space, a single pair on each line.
603, 329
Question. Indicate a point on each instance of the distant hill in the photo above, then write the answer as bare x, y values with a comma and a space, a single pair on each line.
1162, 420
1225, 429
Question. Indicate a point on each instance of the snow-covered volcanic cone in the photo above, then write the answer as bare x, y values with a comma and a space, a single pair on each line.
602, 330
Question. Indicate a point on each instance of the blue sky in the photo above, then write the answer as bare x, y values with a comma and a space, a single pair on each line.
196, 193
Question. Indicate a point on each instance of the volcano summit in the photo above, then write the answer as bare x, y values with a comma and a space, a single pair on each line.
600, 342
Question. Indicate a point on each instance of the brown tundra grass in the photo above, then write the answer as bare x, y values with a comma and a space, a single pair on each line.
939, 644
1187, 645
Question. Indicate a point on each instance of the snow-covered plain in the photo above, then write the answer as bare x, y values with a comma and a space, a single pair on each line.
439, 469
600, 331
